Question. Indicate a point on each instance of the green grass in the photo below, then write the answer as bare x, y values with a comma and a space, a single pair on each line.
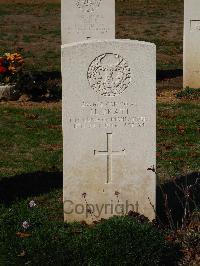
117, 241
27, 39
39, 34
158, 24
39, 38
31, 148
178, 142
189, 94
30, 140
31, 145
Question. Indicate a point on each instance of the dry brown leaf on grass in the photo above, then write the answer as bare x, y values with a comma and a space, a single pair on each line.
158, 154
181, 129
31, 116
22, 234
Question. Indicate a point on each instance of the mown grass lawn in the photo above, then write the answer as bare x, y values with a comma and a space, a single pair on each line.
31, 140
178, 140
31, 147
39, 37
31, 169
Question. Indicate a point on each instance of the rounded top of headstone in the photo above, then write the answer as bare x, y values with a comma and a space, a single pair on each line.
88, 5
96, 42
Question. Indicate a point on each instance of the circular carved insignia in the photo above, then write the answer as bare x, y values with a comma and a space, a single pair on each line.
109, 74
88, 5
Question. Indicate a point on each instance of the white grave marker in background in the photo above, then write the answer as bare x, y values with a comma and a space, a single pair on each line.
87, 19
191, 55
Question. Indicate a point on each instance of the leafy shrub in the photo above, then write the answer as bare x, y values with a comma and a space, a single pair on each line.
189, 239
124, 241
117, 241
189, 94
54, 89
40, 86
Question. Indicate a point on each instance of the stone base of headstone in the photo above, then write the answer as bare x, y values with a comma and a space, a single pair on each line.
8, 92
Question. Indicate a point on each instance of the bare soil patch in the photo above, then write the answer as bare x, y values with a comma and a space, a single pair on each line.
32, 105
168, 96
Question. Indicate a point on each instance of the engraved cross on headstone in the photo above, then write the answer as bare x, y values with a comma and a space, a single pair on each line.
109, 153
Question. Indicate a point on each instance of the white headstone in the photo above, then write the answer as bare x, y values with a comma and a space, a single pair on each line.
109, 128
191, 44
87, 19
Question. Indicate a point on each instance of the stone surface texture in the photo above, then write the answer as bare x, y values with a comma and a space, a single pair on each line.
191, 55
109, 128
8, 92
91, 19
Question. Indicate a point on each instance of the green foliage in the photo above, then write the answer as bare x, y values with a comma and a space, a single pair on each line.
189, 94
117, 241
124, 241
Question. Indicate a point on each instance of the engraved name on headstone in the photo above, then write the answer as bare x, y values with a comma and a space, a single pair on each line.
109, 125
191, 55
87, 19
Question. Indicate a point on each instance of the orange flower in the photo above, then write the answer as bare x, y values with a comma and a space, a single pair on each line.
11, 63
9, 57
12, 69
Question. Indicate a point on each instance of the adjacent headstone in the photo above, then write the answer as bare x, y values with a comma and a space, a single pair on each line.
87, 19
109, 129
191, 44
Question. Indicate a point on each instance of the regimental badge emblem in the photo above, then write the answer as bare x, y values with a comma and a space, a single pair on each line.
109, 74
88, 5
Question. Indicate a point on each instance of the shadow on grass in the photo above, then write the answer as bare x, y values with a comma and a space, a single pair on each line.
173, 195
168, 74
28, 185
44, 75
34, 184
47, 86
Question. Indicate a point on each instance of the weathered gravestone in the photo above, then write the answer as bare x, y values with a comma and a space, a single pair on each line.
109, 128
87, 19
191, 44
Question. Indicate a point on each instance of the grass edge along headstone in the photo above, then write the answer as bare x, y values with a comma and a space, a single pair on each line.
109, 129
82, 20
191, 51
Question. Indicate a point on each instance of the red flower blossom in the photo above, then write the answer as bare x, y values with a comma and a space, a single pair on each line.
2, 69
1, 61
